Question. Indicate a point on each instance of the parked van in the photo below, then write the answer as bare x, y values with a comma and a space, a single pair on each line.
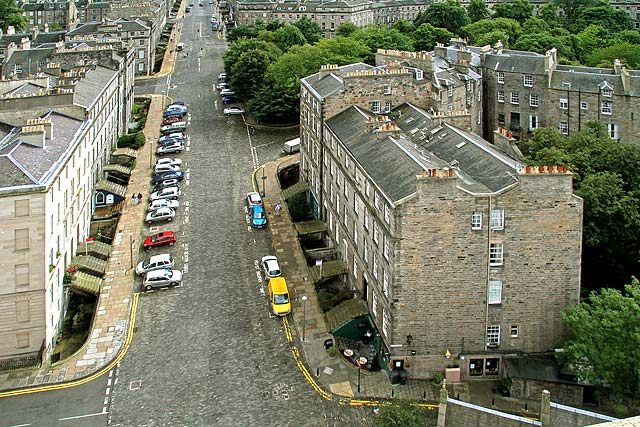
291, 147
173, 127
279, 296
179, 46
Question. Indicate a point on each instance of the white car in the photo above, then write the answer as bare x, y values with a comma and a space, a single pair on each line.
222, 76
160, 215
156, 262
253, 199
166, 167
163, 203
169, 160
271, 266
175, 135
232, 111
166, 193
174, 147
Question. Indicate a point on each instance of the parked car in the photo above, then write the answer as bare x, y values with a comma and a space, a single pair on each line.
160, 215
165, 183
271, 266
169, 120
173, 141
165, 167
181, 103
176, 105
222, 76
227, 92
156, 262
172, 148
222, 85
253, 199
258, 216
169, 160
173, 127
233, 111
163, 203
174, 113
161, 278
279, 296
187, 9
166, 193
213, 20
174, 135
167, 175
230, 100
159, 239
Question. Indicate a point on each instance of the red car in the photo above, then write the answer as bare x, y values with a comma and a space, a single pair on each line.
170, 120
160, 239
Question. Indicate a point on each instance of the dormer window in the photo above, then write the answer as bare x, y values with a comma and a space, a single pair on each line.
419, 74
607, 92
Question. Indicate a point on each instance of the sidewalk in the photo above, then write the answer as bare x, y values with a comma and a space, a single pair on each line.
332, 374
111, 329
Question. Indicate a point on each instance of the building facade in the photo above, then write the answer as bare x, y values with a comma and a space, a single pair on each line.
54, 147
45, 13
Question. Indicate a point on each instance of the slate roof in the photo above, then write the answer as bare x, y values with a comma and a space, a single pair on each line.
26, 88
88, 88
394, 159
84, 29
516, 62
23, 164
50, 37
32, 56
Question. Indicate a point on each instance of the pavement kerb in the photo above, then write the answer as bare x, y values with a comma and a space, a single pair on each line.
90, 377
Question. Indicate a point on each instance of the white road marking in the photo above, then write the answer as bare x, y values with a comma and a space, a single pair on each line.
21, 425
97, 414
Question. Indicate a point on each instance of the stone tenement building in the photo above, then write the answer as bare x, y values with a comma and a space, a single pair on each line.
57, 135
456, 247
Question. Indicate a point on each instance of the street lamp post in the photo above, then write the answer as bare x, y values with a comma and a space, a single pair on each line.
359, 362
150, 152
130, 250
264, 178
304, 316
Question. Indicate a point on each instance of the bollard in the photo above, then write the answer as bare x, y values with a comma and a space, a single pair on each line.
458, 396
526, 406
493, 401
317, 372
424, 395
392, 392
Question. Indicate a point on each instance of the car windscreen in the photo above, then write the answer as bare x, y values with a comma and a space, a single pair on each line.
281, 299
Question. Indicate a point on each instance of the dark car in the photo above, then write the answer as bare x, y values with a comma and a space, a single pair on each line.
167, 175
230, 100
166, 183
160, 239
173, 113
169, 120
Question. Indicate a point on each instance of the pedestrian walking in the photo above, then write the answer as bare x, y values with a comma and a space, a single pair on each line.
278, 208
139, 198
133, 199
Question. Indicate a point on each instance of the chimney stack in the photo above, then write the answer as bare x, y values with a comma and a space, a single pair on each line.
48, 126
33, 135
25, 43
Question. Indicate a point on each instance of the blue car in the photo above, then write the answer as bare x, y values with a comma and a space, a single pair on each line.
258, 216
159, 177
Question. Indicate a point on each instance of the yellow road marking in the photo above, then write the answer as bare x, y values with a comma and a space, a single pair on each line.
107, 368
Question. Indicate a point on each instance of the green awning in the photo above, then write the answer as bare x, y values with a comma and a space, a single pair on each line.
86, 283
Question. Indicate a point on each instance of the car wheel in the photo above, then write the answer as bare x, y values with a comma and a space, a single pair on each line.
149, 222
173, 284
169, 219
172, 243
148, 287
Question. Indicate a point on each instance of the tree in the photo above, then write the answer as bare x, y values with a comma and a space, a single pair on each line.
11, 15
477, 30
477, 11
343, 50
426, 36
549, 13
518, 10
246, 63
605, 344
593, 37
403, 413
405, 27
449, 15
628, 53
241, 32
288, 36
346, 29
604, 15
376, 37
535, 25
570, 8
309, 29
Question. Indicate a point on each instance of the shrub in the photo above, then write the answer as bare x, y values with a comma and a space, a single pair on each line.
132, 140
332, 351
438, 377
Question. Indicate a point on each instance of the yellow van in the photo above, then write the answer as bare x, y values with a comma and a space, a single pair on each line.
279, 296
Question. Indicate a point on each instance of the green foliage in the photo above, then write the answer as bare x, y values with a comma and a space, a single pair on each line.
449, 15
593, 37
288, 36
477, 10
382, 37
426, 36
628, 53
605, 344
604, 15
479, 30
332, 351
437, 377
346, 29
247, 62
518, 10
404, 413
310, 30
570, 8
132, 140
11, 14
405, 27
343, 50
549, 13
241, 32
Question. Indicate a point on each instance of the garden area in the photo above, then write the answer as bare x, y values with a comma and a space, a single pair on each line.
76, 325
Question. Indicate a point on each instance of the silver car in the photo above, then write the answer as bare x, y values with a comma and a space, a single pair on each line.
161, 278
166, 193
271, 266
169, 160
160, 215
156, 262
166, 167
174, 147
163, 203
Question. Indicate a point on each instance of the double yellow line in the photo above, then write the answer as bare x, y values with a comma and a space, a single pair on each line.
97, 374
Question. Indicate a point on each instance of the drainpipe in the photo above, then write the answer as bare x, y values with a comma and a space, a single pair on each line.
486, 304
